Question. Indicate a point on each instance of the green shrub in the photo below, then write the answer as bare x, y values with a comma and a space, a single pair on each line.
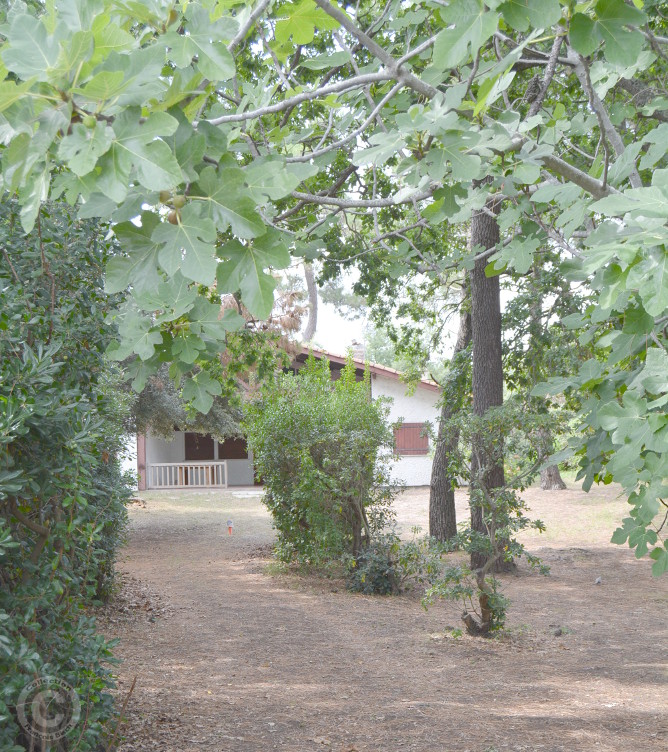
390, 565
323, 450
62, 493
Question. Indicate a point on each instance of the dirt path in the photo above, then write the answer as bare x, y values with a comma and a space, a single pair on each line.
230, 657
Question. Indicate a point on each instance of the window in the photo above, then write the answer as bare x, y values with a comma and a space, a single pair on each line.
411, 439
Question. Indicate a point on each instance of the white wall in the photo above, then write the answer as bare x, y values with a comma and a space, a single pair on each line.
162, 450
418, 407
240, 472
129, 458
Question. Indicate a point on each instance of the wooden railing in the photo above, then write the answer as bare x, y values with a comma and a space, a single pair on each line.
187, 474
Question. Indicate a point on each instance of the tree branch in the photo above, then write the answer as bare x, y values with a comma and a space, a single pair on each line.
399, 73
306, 96
241, 34
344, 203
608, 130
547, 77
342, 142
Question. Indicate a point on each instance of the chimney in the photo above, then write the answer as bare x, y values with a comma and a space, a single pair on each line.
358, 349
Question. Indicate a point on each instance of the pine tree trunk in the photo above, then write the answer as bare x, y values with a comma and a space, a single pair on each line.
550, 477
442, 515
551, 480
487, 375
312, 289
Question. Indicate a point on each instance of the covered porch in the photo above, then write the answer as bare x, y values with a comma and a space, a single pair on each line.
192, 460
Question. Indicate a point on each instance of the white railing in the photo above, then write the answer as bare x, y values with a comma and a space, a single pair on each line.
187, 475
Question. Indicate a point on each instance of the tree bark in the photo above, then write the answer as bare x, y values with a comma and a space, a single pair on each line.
442, 515
550, 477
487, 374
551, 480
312, 289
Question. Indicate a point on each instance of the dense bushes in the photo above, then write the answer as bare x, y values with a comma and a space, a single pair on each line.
322, 450
62, 495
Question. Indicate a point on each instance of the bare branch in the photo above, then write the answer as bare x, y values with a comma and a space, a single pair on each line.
306, 96
344, 203
585, 181
241, 34
547, 77
36, 527
341, 142
399, 73
608, 130
333, 188
417, 50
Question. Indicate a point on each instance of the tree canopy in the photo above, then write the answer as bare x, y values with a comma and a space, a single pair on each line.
223, 139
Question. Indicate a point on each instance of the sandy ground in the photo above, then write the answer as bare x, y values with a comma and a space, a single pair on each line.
230, 653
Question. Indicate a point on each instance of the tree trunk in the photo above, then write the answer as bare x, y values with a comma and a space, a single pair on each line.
551, 480
487, 375
312, 289
442, 516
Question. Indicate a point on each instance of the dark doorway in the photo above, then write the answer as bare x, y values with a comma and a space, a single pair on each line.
198, 447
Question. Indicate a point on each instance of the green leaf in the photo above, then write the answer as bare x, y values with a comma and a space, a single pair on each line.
82, 147
518, 255
244, 270
445, 203
103, 86
650, 278
300, 20
210, 321
640, 202
78, 15
109, 37
386, 145
200, 390
227, 204
187, 145
204, 41
463, 165
654, 376
142, 72
138, 336
74, 52
32, 194
11, 92
540, 14
137, 144
31, 52
473, 26
187, 346
268, 178
188, 246
140, 267
612, 17
660, 557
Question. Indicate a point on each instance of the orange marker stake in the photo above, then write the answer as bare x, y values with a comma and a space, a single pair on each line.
230, 527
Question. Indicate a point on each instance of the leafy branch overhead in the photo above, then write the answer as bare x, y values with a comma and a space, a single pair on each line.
223, 141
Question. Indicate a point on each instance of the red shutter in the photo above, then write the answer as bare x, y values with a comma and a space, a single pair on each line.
410, 439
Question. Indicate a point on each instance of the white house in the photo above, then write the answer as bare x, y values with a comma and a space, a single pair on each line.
193, 460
